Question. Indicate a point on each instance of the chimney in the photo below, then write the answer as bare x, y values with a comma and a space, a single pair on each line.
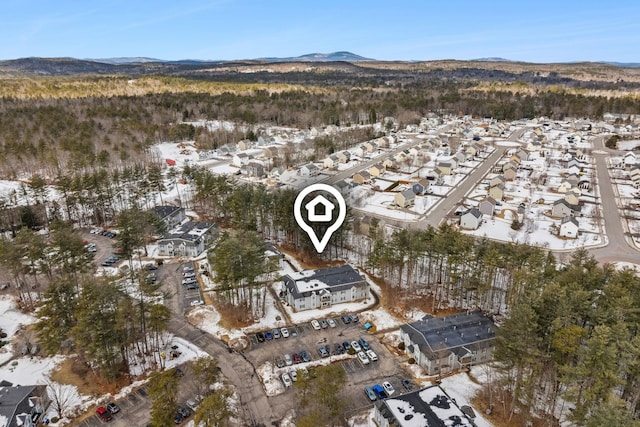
445, 339
461, 334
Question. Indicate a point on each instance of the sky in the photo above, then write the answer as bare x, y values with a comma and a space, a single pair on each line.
533, 31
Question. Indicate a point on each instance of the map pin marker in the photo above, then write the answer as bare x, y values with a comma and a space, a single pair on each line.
314, 218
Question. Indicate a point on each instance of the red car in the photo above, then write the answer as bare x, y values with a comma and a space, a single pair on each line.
103, 413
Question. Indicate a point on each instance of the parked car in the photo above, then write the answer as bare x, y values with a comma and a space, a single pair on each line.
189, 275
364, 344
151, 267
279, 362
113, 408
288, 360
370, 393
388, 388
103, 413
276, 333
363, 358
346, 319
372, 355
193, 404
305, 356
323, 352
296, 358
196, 302
346, 346
379, 391
187, 269
184, 411
339, 349
315, 324
354, 317
294, 375
332, 323
286, 380
356, 346
260, 337
284, 332
178, 418
189, 281
268, 335
192, 286
406, 384
324, 324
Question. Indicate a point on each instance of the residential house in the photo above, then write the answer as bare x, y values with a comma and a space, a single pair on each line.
515, 159
343, 156
362, 177
190, 239
487, 206
23, 405
446, 344
509, 165
421, 186
459, 157
331, 161
245, 144
522, 154
400, 157
564, 187
270, 152
629, 160
497, 192
382, 142
471, 151
405, 198
309, 170
240, 159
510, 174
436, 176
445, 168
427, 407
497, 180
170, 216
573, 178
389, 163
634, 171
561, 208
573, 170
571, 198
377, 170
324, 288
471, 219
342, 186
255, 169
361, 150
534, 146
275, 173
371, 146
287, 176
569, 227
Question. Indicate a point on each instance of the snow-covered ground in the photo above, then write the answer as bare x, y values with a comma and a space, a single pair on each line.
35, 370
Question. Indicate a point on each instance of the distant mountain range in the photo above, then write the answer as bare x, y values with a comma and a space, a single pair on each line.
311, 57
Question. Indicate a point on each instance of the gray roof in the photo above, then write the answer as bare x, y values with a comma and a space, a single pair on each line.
337, 278
423, 406
164, 211
14, 401
475, 212
448, 333
190, 231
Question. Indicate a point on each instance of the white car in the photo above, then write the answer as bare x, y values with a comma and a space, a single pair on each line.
363, 358
284, 332
332, 323
196, 302
288, 360
388, 388
293, 375
372, 355
356, 346
315, 324
286, 380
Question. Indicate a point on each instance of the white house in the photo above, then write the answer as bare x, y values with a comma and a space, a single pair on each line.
240, 159
312, 289
471, 219
309, 170
569, 227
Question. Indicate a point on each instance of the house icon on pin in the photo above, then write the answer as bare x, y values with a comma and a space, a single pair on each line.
312, 213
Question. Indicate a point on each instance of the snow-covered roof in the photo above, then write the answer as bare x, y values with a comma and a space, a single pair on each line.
430, 407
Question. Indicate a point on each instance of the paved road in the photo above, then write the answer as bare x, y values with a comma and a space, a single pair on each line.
619, 247
439, 211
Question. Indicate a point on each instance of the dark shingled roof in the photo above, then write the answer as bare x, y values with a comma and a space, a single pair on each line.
434, 335
336, 278
164, 211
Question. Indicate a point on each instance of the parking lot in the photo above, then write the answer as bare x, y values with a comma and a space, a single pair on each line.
359, 375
